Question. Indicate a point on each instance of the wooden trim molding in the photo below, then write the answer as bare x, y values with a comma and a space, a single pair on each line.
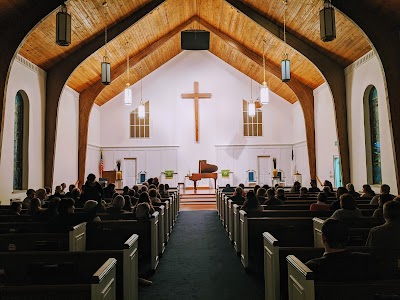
331, 70
58, 75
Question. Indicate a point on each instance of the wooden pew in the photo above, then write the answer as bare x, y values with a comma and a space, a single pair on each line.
303, 286
19, 235
34, 276
166, 219
120, 230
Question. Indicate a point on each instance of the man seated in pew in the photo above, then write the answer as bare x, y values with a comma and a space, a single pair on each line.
66, 217
321, 203
42, 196
15, 208
30, 194
261, 195
117, 206
280, 194
70, 188
271, 199
335, 205
378, 213
304, 193
351, 190
385, 190
251, 203
313, 188
90, 209
143, 198
327, 190
125, 190
266, 187
153, 196
228, 189
338, 263
35, 208
237, 196
109, 191
387, 235
348, 210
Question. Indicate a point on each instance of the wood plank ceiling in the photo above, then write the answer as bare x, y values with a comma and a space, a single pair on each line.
89, 19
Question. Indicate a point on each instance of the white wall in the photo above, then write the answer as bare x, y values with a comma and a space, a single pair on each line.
29, 78
94, 141
325, 132
66, 153
365, 72
220, 118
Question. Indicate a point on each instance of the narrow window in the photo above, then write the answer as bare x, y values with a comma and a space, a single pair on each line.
140, 128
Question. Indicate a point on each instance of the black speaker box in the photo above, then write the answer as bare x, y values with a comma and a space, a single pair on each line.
195, 40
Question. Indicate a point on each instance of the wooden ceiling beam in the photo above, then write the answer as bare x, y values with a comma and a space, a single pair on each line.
389, 57
88, 97
303, 92
13, 34
58, 75
331, 70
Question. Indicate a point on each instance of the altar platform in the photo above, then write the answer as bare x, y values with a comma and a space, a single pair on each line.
200, 199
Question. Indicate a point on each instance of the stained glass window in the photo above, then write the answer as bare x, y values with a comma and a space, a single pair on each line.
18, 141
375, 137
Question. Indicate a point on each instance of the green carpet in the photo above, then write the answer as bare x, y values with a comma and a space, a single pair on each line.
200, 263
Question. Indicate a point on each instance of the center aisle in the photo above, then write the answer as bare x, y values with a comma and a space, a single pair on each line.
200, 263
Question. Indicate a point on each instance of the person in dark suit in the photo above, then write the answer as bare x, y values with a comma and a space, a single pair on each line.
338, 263
228, 189
313, 188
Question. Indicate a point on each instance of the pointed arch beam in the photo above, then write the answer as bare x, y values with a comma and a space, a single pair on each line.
303, 92
14, 33
380, 36
58, 75
331, 70
90, 94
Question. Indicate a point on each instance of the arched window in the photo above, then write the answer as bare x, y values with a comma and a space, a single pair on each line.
21, 134
372, 136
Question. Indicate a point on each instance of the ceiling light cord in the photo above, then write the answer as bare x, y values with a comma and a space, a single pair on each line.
284, 25
264, 58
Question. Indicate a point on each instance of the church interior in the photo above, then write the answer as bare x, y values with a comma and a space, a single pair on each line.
203, 95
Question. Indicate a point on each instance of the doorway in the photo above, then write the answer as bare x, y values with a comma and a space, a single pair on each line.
337, 174
129, 172
264, 170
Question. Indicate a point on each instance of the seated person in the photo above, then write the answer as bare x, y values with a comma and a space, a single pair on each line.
125, 190
335, 205
251, 203
266, 187
387, 235
328, 183
128, 203
338, 263
153, 196
30, 194
367, 191
90, 209
155, 181
117, 206
261, 193
296, 187
280, 194
313, 188
350, 189
52, 209
144, 198
256, 187
228, 189
327, 190
385, 190
242, 186
70, 188
321, 203
304, 193
348, 208
378, 213
58, 192
15, 208
271, 199
237, 196
66, 217
35, 208
109, 191
162, 192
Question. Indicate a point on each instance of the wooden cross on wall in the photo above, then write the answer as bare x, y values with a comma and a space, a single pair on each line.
196, 96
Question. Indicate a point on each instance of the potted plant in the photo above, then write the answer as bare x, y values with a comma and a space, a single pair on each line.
275, 170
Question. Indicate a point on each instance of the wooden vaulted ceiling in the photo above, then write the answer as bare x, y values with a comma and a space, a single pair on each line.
155, 39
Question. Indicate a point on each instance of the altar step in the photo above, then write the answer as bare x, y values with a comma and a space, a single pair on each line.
203, 199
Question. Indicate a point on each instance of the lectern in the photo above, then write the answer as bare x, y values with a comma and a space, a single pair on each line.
111, 176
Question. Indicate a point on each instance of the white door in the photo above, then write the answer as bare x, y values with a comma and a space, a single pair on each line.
264, 170
129, 172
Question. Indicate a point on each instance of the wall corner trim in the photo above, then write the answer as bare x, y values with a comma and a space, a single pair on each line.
23, 61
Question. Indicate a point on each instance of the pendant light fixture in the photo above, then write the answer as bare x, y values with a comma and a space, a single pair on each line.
128, 91
63, 26
264, 91
141, 108
105, 64
285, 61
327, 22
251, 107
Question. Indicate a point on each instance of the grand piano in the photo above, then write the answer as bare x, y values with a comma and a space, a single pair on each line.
205, 171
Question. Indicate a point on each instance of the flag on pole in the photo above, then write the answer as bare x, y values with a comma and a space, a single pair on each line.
293, 164
101, 168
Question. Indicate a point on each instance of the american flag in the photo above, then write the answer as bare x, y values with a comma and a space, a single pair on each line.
101, 164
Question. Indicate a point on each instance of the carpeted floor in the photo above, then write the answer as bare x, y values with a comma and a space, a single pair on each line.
200, 263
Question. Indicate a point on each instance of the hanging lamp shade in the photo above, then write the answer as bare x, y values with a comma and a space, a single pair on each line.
128, 95
105, 71
327, 22
141, 110
264, 93
285, 68
63, 27
251, 109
